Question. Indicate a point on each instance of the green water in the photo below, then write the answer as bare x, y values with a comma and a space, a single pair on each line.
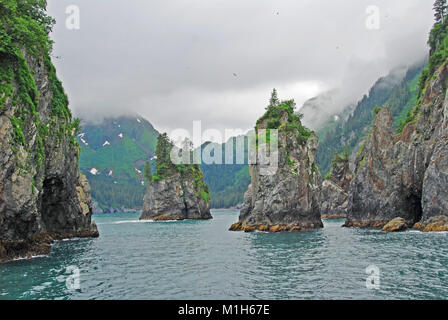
202, 260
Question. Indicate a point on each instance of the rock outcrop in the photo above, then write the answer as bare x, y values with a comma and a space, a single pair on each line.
335, 189
176, 192
404, 175
283, 196
433, 224
175, 198
395, 225
43, 196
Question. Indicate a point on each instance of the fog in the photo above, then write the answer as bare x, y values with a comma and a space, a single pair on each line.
217, 61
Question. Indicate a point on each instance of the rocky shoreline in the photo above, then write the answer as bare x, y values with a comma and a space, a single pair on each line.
40, 244
303, 226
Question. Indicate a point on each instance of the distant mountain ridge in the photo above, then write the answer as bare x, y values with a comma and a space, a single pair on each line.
113, 157
114, 152
227, 182
397, 91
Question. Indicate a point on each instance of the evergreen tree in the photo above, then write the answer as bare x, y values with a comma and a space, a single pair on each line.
36, 10
274, 99
440, 8
164, 165
187, 151
148, 171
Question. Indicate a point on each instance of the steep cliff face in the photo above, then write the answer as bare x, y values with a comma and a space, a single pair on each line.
175, 198
285, 197
335, 189
43, 196
404, 175
176, 191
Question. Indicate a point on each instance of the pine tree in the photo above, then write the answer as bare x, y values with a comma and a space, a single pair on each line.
440, 8
148, 171
187, 151
164, 166
274, 98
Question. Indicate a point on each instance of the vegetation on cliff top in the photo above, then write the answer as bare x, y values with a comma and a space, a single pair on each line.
24, 30
165, 168
273, 117
438, 43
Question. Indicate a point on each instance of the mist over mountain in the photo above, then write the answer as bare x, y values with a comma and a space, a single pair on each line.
346, 129
335, 103
220, 59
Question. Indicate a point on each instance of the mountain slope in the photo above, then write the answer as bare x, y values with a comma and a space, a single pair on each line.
319, 110
113, 157
399, 94
227, 182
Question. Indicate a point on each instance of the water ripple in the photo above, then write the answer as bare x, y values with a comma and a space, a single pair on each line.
135, 259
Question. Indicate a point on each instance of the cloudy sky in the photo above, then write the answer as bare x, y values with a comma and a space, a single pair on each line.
216, 61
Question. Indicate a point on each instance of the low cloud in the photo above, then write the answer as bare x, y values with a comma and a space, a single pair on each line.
216, 61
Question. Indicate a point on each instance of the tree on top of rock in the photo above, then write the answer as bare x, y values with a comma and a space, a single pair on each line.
274, 99
440, 8
274, 118
164, 165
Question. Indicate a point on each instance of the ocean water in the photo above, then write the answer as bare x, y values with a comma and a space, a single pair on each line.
202, 260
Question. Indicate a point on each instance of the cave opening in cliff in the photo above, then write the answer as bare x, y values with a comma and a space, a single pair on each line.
53, 198
415, 207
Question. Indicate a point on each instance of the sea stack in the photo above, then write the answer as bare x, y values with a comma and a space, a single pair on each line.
286, 196
335, 188
405, 175
43, 196
176, 191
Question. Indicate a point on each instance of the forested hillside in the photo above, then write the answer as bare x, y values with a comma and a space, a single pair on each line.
227, 182
113, 158
342, 131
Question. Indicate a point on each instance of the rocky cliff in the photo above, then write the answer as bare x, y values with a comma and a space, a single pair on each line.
405, 175
335, 188
175, 198
176, 192
43, 196
284, 197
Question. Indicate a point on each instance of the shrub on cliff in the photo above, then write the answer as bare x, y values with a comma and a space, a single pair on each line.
275, 110
24, 29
